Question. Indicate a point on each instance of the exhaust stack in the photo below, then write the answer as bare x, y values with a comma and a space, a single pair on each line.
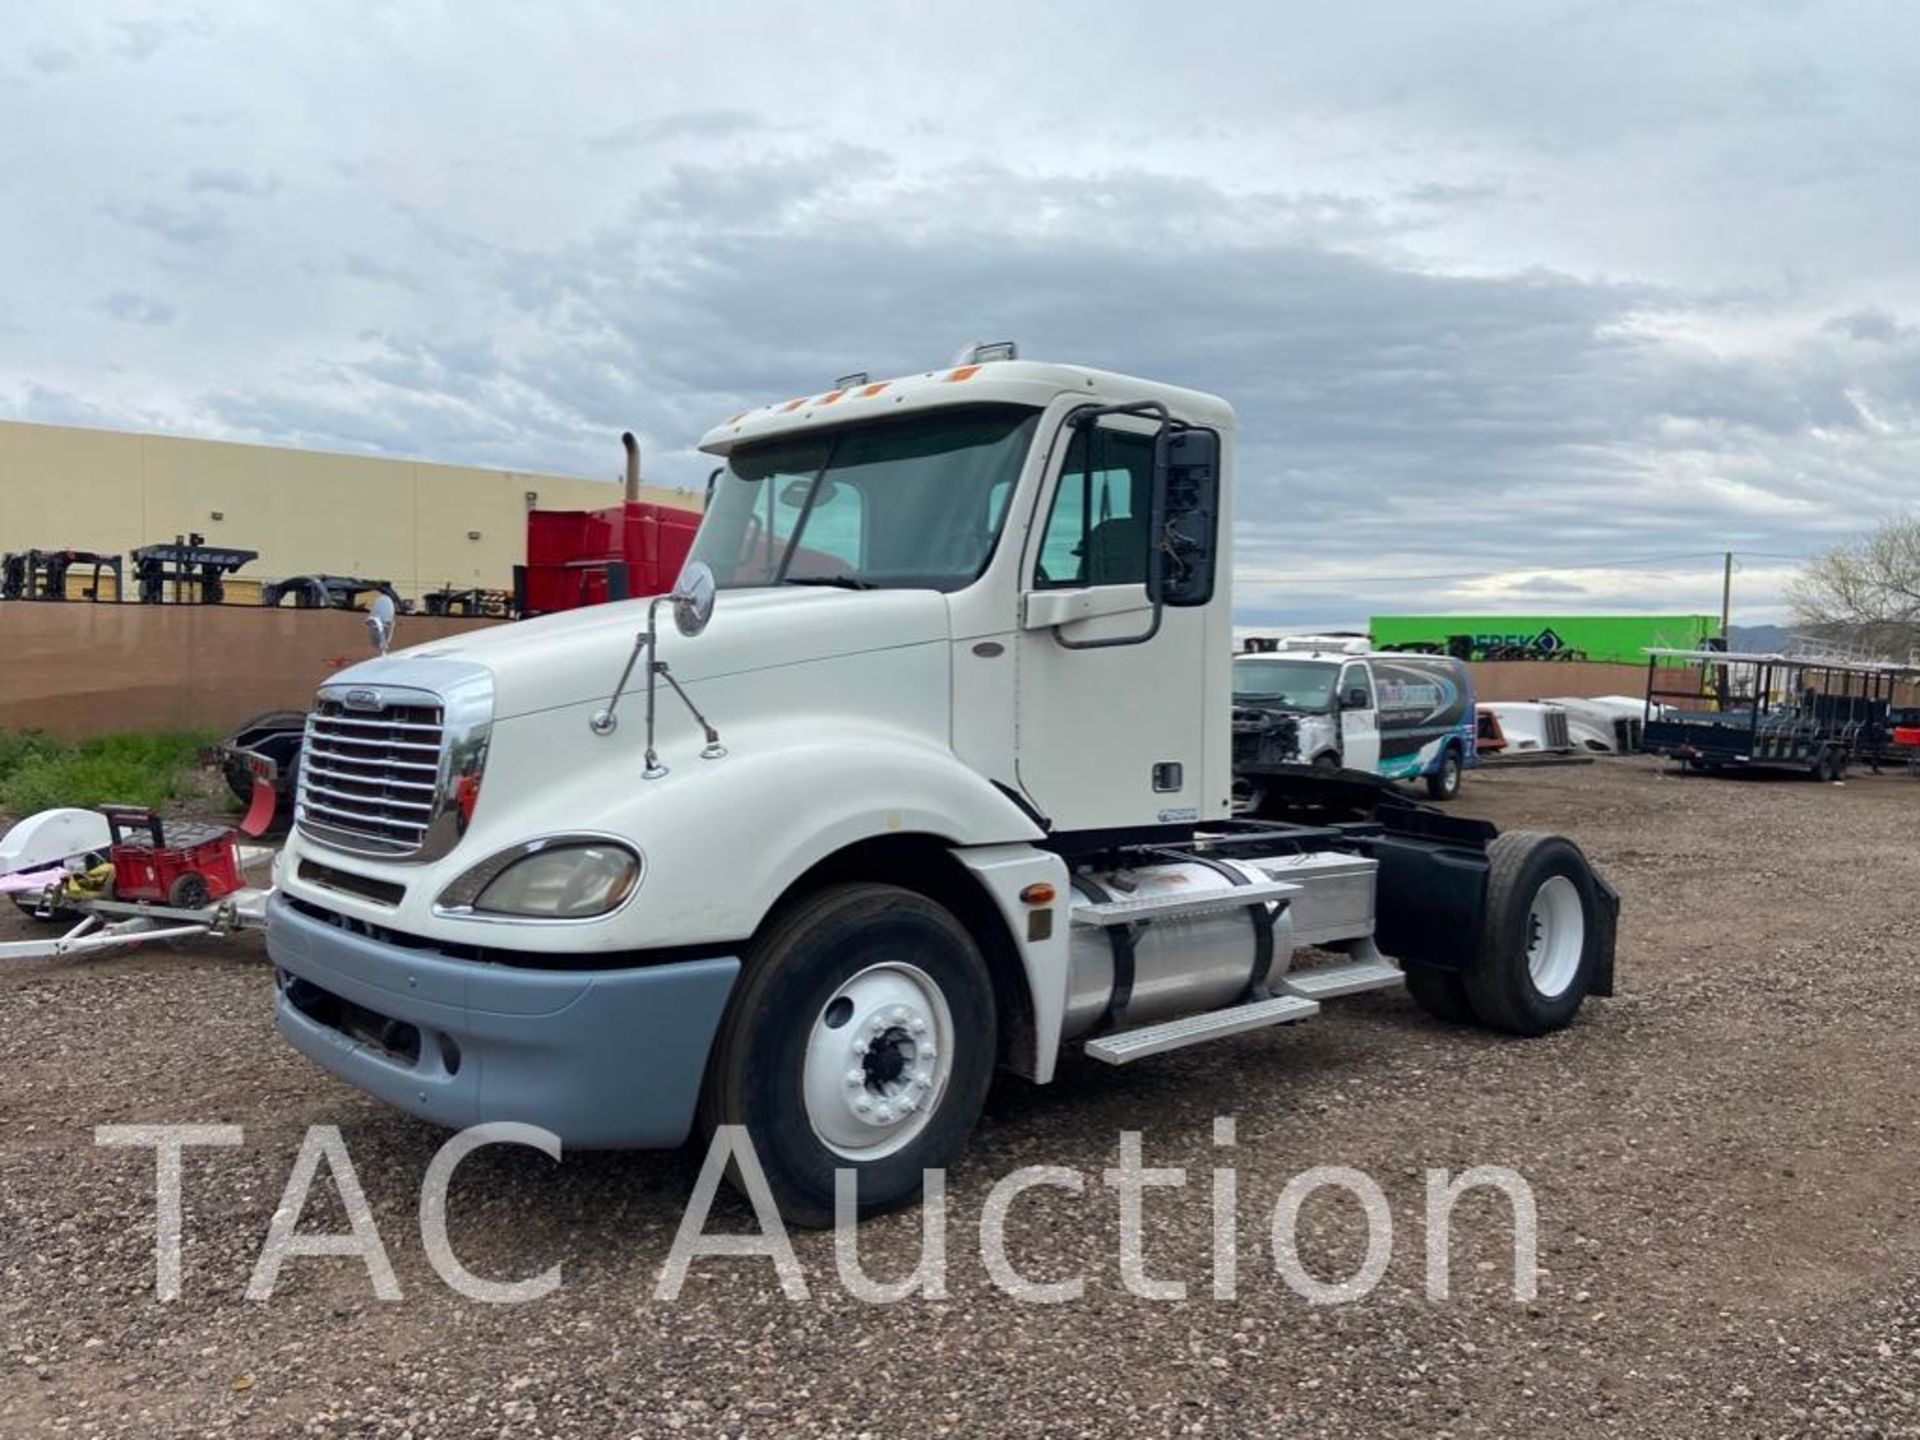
633, 465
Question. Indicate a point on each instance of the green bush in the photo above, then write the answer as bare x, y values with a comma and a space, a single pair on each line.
24, 747
39, 773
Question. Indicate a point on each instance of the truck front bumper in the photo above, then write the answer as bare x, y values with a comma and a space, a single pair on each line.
608, 1059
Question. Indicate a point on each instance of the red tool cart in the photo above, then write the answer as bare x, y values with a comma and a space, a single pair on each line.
188, 867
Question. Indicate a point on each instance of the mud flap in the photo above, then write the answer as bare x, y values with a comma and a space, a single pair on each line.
1607, 904
264, 799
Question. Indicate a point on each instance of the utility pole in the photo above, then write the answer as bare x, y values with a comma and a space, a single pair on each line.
1726, 602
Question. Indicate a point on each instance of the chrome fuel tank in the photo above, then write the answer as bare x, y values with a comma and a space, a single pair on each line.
1181, 964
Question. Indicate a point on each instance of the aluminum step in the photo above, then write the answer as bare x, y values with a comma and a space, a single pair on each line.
1326, 982
1163, 905
1193, 1029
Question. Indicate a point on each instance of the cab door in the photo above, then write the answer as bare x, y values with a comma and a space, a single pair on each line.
1109, 706
1359, 719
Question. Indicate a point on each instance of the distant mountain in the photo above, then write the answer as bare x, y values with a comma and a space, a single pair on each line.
1759, 639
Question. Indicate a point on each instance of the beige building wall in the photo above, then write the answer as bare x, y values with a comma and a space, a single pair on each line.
418, 525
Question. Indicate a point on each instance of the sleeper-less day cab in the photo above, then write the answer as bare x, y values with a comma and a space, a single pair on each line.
901, 786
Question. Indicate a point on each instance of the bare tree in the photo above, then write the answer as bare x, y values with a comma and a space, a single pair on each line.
1866, 591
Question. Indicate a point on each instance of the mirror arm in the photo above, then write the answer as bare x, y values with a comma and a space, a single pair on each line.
692, 599
714, 749
604, 720
654, 769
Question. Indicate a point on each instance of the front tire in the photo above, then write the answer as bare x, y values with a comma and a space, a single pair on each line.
1444, 783
862, 1037
1540, 938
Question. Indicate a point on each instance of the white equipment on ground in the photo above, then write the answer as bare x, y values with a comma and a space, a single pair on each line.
52, 838
54, 848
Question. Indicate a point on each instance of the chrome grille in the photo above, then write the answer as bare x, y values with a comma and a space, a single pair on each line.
370, 774
1555, 725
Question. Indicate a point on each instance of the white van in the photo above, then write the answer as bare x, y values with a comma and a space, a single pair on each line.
1330, 702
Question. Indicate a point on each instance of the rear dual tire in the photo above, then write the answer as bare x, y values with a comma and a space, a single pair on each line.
1540, 942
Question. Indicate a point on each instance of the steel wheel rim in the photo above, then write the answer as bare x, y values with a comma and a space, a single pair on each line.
879, 1056
1556, 936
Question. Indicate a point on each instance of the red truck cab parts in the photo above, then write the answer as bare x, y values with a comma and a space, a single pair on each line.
588, 557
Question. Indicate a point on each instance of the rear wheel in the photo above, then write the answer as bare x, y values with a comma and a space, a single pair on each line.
1444, 783
287, 723
862, 1037
1540, 937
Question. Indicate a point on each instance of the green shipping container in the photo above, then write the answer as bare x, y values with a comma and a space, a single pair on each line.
1622, 639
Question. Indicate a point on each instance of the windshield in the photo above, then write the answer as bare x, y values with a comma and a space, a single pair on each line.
910, 503
1291, 684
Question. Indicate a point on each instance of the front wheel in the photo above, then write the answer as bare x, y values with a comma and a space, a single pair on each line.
1541, 936
1444, 783
862, 1037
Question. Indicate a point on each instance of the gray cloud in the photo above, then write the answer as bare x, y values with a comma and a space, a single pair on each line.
138, 309
1488, 313
215, 180
380, 272
700, 125
197, 227
141, 39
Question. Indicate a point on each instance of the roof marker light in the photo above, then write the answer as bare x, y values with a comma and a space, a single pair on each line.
874, 389
965, 372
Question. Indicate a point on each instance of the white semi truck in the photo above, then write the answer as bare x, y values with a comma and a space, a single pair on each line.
928, 775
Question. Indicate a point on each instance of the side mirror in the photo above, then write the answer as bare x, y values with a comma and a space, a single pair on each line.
692, 598
380, 622
1186, 478
1356, 698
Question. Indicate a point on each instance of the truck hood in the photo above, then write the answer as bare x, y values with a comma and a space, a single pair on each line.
563, 660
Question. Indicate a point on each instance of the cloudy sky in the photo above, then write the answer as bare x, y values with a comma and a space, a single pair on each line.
1527, 305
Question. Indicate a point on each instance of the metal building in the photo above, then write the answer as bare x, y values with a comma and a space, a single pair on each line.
421, 526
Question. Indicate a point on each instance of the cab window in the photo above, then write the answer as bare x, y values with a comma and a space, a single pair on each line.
1096, 532
1355, 677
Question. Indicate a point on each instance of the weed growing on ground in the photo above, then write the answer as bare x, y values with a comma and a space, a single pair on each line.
38, 772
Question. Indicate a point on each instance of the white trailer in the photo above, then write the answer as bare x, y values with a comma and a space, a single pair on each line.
930, 775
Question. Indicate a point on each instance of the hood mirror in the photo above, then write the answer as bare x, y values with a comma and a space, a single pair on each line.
380, 622
692, 601
692, 598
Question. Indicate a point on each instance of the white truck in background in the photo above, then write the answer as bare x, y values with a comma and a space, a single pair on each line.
1332, 703
930, 774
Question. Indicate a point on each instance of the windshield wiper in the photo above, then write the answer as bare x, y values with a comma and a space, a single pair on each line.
844, 582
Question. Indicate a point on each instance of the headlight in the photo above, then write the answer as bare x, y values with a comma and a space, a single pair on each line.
565, 878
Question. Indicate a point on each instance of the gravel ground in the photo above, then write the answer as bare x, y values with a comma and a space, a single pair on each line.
1722, 1157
